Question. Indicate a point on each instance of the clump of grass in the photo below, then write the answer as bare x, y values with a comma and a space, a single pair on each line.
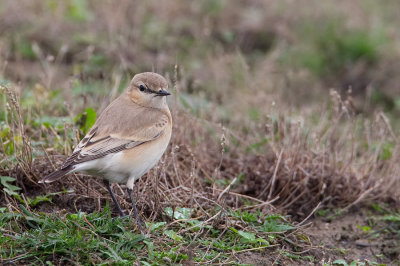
99, 238
340, 163
330, 49
14, 141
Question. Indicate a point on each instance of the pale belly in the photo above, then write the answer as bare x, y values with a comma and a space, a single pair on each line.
128, 165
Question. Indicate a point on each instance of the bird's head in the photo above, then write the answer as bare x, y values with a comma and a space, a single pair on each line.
149, 89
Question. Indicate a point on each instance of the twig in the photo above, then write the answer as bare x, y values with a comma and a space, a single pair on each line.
250, 249
14, 258
226, 189
84, 217
261, 204
311, 213
363, 195
241, 195
271, 187
200, 224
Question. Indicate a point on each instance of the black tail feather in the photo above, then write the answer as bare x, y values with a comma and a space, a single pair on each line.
55, 175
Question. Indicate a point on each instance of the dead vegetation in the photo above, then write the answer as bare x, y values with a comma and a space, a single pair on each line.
255, 127
293, 169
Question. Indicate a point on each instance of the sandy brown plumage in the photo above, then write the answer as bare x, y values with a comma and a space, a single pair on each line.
128, 138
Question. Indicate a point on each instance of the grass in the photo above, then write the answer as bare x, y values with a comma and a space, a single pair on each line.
333, 50
40, 238
261, 146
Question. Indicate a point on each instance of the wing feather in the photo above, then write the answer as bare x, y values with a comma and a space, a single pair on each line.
117, 129
118, 134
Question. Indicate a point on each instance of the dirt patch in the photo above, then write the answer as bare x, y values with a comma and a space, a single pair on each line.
339, 238
348, 237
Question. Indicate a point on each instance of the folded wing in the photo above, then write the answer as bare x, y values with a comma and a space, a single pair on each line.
114, 132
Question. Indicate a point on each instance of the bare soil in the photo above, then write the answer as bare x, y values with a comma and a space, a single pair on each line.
338, 238
342, 237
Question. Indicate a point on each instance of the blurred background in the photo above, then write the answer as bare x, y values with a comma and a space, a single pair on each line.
238, 58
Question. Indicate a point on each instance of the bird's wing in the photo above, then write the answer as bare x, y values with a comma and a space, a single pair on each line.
99, 147
117, 130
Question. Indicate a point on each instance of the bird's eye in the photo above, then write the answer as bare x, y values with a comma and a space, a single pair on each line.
142, 88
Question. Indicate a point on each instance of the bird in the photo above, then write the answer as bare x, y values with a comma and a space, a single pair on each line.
128, 138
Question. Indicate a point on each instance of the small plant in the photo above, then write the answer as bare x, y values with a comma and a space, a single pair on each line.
364, 228
13, 191
86, 119
10, 189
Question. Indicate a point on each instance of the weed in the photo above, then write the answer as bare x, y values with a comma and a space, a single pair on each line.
86, 120
329, 48
39, 237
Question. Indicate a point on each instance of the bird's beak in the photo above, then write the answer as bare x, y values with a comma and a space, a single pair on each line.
162, 93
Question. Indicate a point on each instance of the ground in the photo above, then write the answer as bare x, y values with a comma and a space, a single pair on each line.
285, 142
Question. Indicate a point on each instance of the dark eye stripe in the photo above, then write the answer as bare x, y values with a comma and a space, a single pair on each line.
144, 88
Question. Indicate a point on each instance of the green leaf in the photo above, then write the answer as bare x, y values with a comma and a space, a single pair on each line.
86, 119
357, 263
38, 200
292, 256
262, 240
29, 215
378, 208
156, 226
365, 228
13, 188
246, 216
391, 218
173, 235
76, 216
168, 211
234, 230
5, 179
8, 188
340, 262
182, 213
247, 235
10, 192
90, 118
274, 226
179, 213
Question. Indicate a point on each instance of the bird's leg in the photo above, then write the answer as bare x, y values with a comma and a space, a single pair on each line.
134, 207
121, 213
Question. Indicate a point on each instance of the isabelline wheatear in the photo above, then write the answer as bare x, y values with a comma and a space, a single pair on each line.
128, 138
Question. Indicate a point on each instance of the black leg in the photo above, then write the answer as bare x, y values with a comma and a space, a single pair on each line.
134, 207
121, 213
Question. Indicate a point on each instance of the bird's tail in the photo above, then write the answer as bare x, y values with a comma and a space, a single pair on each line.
55, 175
